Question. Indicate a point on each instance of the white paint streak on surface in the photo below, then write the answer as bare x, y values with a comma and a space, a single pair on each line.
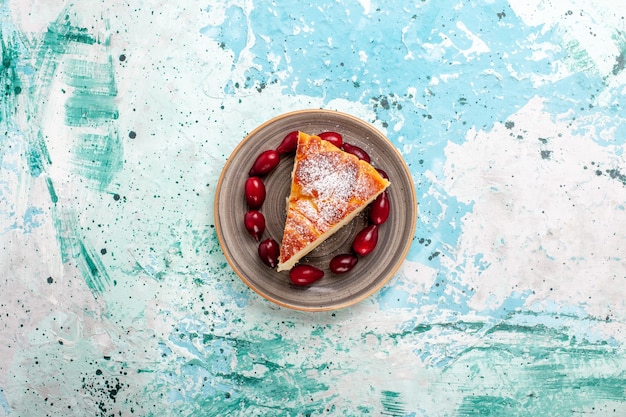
539, 222
478, 45
590, 33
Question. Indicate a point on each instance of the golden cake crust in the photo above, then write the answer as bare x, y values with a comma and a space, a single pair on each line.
329, 187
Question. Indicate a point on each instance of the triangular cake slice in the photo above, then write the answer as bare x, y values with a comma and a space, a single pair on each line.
329, 187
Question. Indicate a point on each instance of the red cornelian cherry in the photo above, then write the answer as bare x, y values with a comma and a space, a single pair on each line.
255, 192
343, 263
332, 137
268, 252
289, 143
265, 163
379, 209
356, 151
383, 174
255, 223
365, 241
305, 274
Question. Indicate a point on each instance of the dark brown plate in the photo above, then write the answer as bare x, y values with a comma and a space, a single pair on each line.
333, 291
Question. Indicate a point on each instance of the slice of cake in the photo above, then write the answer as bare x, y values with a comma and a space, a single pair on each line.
329, 187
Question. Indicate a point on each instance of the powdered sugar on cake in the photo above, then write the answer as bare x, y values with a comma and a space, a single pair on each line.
329, 182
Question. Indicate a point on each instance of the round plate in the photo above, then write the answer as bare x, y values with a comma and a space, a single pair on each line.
333, 291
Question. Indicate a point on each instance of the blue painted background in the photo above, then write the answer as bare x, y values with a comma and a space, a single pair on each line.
117, 119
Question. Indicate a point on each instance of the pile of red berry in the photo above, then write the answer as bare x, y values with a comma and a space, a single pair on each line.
364, 242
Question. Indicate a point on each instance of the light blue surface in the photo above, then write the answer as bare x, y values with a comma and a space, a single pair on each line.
117, 299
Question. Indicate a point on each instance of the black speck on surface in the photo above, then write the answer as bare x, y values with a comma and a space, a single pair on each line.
616, 174
619, 64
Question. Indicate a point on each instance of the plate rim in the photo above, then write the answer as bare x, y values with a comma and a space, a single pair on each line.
220, 235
